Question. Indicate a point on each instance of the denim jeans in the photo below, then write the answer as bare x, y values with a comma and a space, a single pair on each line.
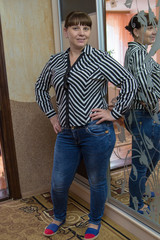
95, 144
145, 152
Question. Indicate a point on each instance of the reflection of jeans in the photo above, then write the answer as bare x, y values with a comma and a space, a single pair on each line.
95, 144
145, 152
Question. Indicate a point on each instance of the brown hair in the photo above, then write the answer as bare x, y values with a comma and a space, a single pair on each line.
140, 19
75, 18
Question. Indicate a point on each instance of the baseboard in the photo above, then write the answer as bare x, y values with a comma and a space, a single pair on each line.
135, 227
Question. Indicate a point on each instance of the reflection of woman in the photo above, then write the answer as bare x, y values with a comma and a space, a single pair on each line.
142, 119
83, 124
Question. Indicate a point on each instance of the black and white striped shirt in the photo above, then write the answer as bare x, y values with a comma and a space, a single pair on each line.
147, 74
88, 79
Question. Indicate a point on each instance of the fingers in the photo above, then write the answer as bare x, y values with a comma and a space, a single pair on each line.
55, 123
97, 110
100, 121
57, 128
96, 113
101, 115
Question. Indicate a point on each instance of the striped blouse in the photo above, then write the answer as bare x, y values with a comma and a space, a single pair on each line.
147, 74
87, 80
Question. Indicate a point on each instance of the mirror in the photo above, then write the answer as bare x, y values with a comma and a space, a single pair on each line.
118, 15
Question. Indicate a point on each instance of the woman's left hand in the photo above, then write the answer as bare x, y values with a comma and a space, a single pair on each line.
102, 115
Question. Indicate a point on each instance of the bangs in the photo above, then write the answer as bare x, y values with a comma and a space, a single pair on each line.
151, 22
77, 18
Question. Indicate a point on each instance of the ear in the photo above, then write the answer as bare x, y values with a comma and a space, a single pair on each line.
65, 32
136, 32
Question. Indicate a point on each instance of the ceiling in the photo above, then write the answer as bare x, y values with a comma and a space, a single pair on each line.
118, 5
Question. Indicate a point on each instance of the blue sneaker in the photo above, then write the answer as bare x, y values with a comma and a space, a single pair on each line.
145, 210
151, 195
92, 233
52, 229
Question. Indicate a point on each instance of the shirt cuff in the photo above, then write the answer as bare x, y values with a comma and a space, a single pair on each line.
115, 114
51, 114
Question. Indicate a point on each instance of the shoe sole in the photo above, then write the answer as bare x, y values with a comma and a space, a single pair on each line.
91, 238
49, 235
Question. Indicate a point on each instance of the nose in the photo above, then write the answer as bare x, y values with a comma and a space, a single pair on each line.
155, 30
81, 31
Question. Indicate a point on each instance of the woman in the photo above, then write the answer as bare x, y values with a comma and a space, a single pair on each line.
143, 121
83, 123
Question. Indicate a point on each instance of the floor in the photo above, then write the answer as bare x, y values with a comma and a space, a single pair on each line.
27, 218
121, 155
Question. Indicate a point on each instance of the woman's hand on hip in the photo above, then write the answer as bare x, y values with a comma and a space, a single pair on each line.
55, 123
102, 115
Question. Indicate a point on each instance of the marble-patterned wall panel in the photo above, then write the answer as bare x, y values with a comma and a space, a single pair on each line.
28, 43
34, 140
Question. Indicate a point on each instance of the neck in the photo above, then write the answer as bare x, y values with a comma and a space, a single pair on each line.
142, 43
73, 55
75, 52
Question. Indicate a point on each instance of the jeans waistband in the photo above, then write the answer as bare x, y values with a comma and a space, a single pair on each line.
75, 127
78, 127
86, 125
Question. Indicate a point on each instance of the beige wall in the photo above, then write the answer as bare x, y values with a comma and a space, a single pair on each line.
28, 43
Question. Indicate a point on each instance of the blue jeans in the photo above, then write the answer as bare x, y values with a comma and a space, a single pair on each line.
145, 152
95, 144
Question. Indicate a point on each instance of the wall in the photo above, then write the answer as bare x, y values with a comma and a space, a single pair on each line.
28, 43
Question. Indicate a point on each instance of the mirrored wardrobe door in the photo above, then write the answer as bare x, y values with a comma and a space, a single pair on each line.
135, 165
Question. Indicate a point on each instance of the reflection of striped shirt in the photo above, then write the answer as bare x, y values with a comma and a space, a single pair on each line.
87, 80
147, 75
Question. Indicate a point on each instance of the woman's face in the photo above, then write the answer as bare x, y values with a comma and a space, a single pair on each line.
78, 36
146, 37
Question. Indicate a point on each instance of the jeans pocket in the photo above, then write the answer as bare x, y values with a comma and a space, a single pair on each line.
98, 129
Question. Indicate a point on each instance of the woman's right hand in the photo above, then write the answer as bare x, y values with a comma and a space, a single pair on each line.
55, 123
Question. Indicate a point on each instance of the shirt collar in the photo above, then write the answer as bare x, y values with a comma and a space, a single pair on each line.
130, 44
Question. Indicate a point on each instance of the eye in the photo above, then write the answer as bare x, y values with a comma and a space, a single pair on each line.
150, 28
75, 27
86, 28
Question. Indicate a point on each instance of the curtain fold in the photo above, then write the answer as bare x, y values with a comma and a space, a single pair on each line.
117, 36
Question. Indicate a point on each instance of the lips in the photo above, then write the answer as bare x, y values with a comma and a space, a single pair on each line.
81, 40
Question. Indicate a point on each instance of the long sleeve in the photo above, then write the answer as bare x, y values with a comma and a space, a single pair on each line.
42, 87
121, 78
147, 74
156, 78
